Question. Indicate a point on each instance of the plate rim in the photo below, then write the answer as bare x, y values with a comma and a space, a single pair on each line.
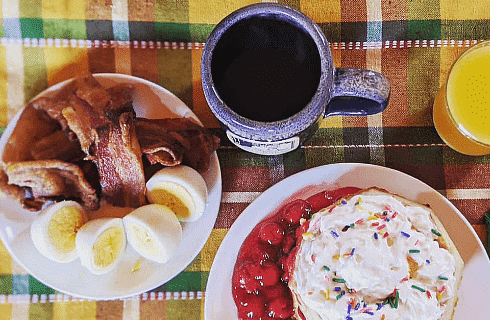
238, 223
213, 208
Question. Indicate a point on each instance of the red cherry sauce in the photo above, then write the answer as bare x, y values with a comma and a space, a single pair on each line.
266, 258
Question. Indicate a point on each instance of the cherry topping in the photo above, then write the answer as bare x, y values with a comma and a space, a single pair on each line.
288, 243
276, 291
280, 308
300, 230
266, 259
249, 276
252, 307
239, 294
264, 252
269, 273
288, 264
253, 275
324, 199
271, 233
294, 211
281, 263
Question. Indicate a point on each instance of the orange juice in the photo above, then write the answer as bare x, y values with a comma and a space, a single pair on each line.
462, 107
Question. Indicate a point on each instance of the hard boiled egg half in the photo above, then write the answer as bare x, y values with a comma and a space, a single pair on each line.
101, 243
181, 188
154, 232
55, 229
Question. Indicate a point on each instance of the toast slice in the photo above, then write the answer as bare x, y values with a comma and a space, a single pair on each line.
379, 253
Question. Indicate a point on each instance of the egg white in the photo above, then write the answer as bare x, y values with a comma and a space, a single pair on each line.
184, 182
39, 232
88, 235
154, 232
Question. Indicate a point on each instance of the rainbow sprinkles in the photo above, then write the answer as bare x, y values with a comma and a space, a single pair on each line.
375, 256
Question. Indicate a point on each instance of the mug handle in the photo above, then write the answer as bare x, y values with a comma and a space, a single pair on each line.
358, 92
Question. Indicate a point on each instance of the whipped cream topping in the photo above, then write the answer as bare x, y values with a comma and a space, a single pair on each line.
372, 257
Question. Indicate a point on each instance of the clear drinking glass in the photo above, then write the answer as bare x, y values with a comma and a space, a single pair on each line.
462, 107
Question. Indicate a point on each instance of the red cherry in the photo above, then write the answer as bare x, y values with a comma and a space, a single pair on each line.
269, 273
295, 210
249, 247
252, 307
280, 308
264, 252
271, 233
249, 275
239, 294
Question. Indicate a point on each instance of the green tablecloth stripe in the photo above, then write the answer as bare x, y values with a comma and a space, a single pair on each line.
22, 284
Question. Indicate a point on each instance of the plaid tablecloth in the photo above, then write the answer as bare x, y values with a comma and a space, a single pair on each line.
412, 42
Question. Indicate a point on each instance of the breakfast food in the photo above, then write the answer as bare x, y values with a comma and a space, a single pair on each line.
174, 141
100, 244
379, 254
261, 272
81, 155
54, 230
153, 231
364, 254
84, 142
182, 189
50, 180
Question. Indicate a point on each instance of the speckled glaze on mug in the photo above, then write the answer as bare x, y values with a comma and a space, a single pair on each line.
341, 91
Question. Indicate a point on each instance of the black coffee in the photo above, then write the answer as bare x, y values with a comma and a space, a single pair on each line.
265, 69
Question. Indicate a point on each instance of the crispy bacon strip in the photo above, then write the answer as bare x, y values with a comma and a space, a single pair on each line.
90, 90
17, 193
158, 145
119, 161
53, 178
82, 119
84, 105
103, 122
57, 146
33, 124
178, 140
121, 98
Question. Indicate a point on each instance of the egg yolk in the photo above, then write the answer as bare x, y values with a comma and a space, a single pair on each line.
107, 247
63, 227
175, 197
137, 266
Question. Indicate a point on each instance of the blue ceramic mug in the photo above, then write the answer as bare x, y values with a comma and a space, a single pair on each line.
268, 77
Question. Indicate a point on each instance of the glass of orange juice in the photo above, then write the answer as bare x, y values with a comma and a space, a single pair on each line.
462, 107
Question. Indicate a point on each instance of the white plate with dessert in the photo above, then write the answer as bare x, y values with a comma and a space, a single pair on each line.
133, 274
473, 290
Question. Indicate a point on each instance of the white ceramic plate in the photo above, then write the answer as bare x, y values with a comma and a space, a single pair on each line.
474, 292
150, 101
